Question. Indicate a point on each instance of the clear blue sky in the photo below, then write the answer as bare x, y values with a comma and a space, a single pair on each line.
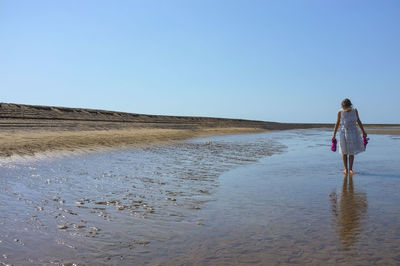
287, 61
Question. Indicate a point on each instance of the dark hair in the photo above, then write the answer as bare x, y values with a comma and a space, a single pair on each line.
346, 103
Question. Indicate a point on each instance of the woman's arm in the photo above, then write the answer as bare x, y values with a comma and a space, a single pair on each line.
336, 126
360, 124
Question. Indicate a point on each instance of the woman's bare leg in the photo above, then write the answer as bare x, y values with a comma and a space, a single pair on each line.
344, 157
351, 160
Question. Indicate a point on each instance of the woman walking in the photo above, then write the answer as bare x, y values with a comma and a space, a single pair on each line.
350, 142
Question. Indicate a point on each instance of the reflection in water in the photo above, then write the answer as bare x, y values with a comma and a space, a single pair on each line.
183, 205
349, 211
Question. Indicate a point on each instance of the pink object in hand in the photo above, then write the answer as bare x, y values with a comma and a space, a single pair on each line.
333, 146
365, 141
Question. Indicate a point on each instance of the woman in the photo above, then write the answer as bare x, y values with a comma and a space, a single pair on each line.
350, 138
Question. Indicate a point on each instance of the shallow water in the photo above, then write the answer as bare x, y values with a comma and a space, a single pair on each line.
228, 202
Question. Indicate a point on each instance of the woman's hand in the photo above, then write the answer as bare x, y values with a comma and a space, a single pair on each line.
364, 134
333, 138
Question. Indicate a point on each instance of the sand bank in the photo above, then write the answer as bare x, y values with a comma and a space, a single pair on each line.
31, 142
30, 129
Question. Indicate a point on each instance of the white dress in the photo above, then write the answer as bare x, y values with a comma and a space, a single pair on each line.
350, 141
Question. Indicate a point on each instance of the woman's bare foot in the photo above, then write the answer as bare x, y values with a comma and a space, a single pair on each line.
352, 172
345, 171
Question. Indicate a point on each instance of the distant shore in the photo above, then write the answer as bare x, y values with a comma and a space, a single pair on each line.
29, 129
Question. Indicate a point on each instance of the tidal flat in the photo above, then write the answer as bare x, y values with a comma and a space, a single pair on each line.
272, 198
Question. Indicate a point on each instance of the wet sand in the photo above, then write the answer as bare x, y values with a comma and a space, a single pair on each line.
272, 198
298, 208
109, 208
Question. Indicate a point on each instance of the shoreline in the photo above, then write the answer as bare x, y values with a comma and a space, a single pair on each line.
26, 130
27, 143
30, 143
383, 131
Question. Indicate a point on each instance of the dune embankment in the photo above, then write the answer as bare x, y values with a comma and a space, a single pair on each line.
29, 129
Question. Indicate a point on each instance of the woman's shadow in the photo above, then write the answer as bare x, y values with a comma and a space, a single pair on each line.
348, 212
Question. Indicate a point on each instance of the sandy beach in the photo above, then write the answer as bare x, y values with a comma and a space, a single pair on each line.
199, 133
388, 130
183, 184
28, 129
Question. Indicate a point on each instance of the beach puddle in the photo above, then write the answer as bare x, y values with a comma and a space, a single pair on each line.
217, 200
